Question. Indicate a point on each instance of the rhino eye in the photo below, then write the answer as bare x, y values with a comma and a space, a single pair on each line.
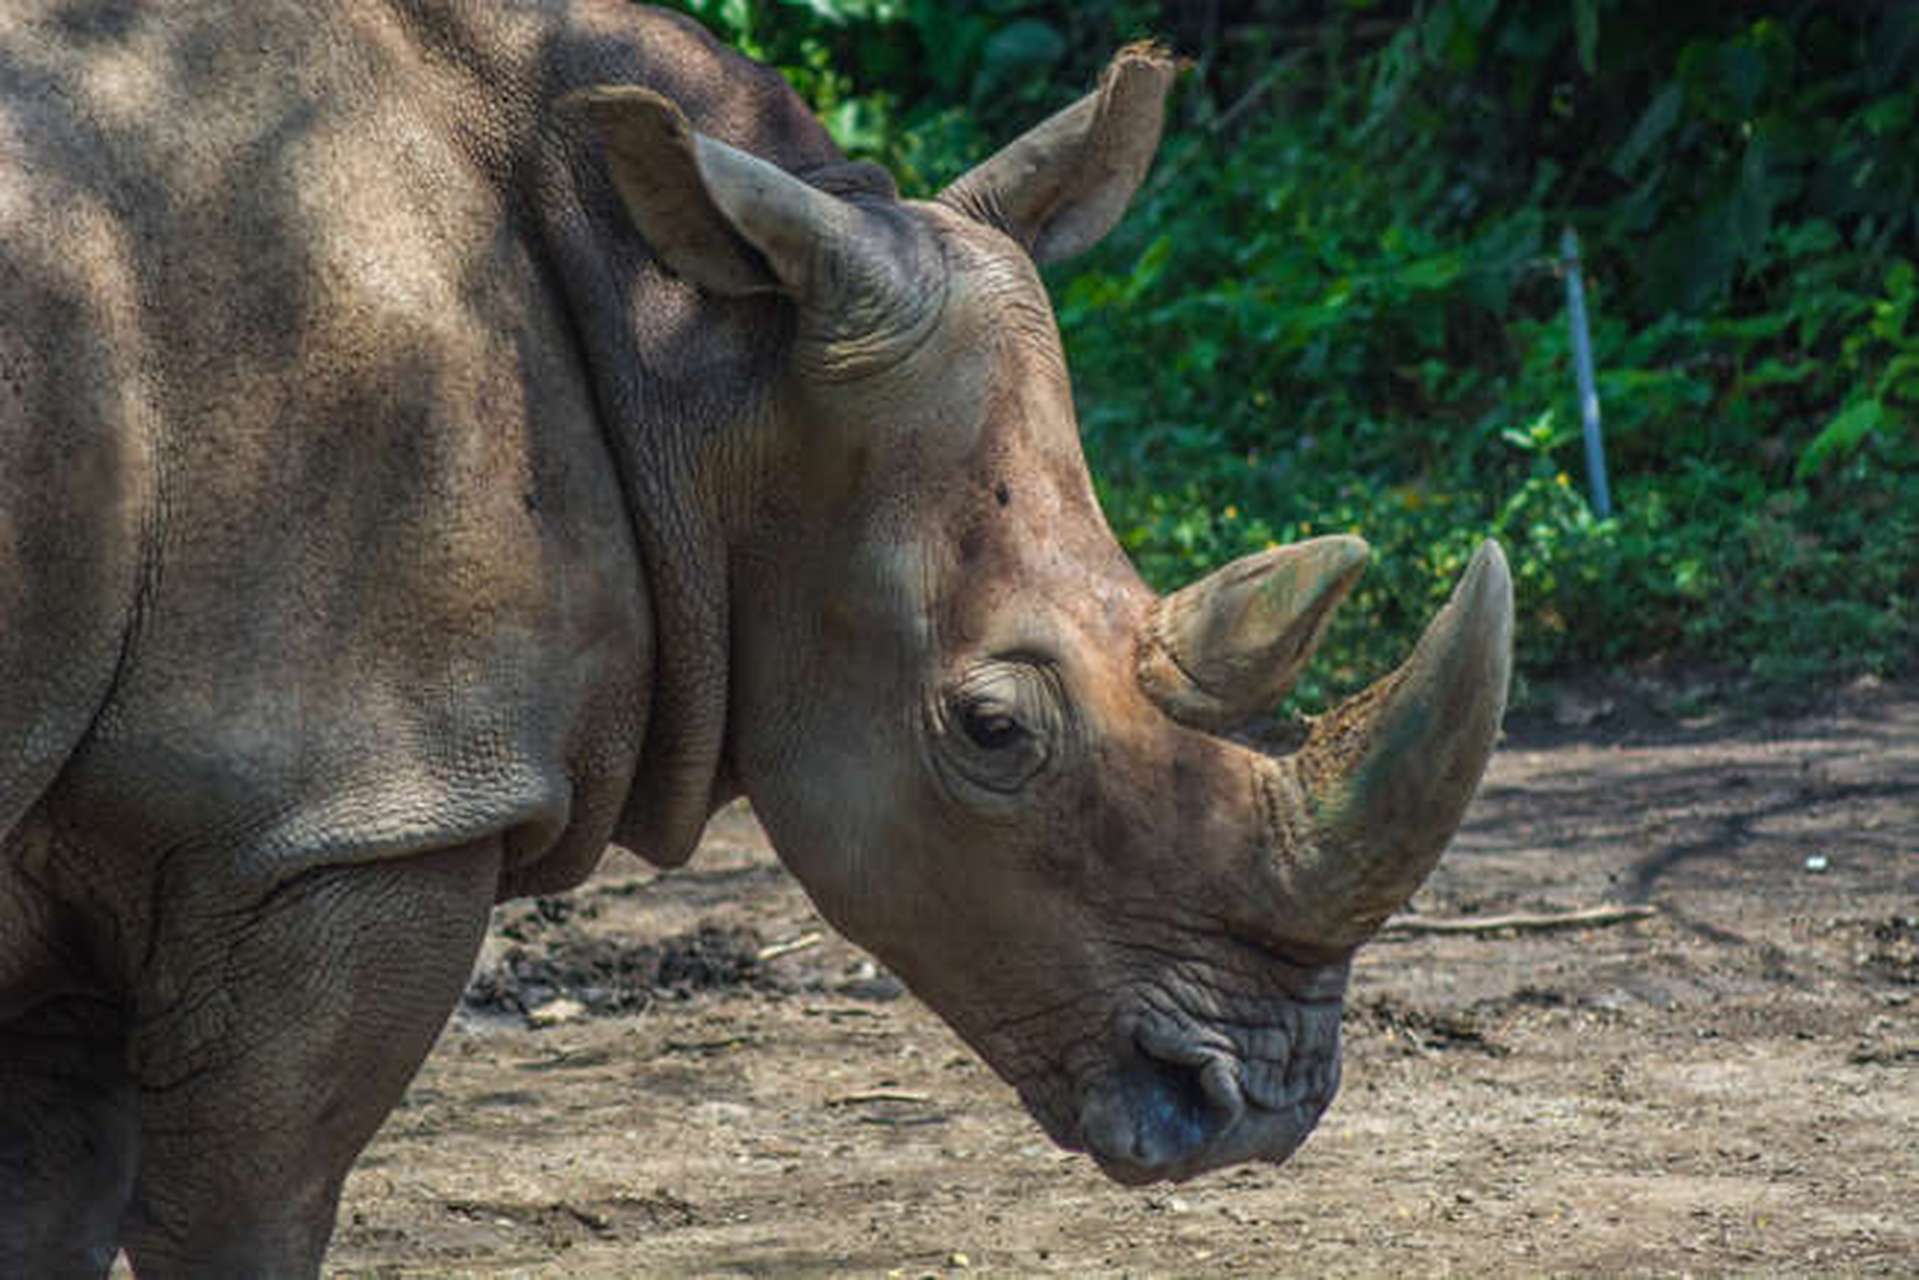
999, 724
991, 729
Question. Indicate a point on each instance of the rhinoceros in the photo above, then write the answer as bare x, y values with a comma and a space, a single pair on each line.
440, 440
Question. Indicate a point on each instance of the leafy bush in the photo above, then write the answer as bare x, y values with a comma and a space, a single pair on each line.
1344, 267
925, 87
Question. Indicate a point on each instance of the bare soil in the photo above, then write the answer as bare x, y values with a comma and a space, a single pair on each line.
649, 1078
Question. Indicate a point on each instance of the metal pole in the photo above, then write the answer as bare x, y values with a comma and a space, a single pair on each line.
1583, 369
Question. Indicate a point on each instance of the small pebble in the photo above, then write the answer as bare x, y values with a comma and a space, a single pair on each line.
554, 1012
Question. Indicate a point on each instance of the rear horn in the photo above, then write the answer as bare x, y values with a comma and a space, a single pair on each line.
1225, 649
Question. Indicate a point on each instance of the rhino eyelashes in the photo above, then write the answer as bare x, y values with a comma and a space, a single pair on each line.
1001, 723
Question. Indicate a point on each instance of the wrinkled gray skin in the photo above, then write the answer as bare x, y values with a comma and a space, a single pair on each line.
419, 468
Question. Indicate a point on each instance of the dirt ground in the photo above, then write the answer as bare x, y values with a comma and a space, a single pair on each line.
1728, 1087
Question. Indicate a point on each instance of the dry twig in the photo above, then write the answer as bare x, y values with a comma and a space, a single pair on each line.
1586, 918
877, 1095
774, 950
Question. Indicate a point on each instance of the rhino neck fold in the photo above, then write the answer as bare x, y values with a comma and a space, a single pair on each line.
679, 379
674, 376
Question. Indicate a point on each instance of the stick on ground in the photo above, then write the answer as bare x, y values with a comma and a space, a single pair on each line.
1586, 918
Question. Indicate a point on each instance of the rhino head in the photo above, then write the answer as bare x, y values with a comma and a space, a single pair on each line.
989, 751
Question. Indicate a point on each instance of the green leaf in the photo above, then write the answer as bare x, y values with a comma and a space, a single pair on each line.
1586, 34
1430, 273
1749, 210
1477, 13
829, 11
1814, 236
1022, 45
1743, 73
1900, 379
1771, 372
1890, 115
1655, 122
1842, 435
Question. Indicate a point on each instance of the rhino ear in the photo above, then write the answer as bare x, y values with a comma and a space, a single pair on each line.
727, 221
1062, 185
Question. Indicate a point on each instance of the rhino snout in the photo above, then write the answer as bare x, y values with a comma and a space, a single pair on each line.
1176, 1101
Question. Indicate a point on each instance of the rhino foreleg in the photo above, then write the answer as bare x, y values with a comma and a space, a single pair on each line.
270, 1045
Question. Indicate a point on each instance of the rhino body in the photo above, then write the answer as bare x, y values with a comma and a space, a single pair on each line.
437, 441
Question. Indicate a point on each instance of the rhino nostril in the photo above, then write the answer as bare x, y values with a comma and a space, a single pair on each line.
1172, 1112
1183, 1101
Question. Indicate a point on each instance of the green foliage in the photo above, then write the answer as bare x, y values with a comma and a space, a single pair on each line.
1356, 325
1344, 271
922, 86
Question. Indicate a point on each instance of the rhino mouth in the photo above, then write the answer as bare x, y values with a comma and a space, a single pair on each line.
1172, 1099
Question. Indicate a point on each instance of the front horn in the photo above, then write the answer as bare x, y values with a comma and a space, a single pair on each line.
1359, 815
